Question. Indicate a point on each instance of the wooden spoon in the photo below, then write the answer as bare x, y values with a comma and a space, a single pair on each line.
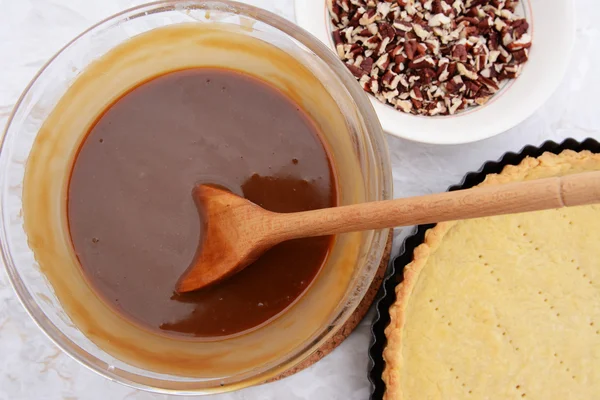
238, 231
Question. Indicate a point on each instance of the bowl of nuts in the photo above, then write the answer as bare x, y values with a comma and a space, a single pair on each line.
448, 71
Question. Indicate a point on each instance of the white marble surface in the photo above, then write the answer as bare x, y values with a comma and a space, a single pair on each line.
31, 367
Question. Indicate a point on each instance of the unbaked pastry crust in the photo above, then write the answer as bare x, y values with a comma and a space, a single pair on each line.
461, 346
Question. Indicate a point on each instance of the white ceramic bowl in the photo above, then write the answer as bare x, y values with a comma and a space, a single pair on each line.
553, 32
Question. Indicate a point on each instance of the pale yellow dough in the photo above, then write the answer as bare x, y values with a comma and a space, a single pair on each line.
504, 307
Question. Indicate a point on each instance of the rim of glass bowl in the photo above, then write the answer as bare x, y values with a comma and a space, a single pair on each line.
376, 142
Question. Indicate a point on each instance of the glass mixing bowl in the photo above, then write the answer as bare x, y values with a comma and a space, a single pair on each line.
50, 121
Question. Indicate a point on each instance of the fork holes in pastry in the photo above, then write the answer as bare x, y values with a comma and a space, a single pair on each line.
518, 387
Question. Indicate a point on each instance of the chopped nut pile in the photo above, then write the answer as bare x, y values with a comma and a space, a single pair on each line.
430, 57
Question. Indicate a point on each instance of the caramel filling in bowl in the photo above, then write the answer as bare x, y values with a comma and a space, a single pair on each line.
47, 273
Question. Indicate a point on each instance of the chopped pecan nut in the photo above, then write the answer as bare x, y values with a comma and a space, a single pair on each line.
356, 71
422, 62
411, 48
467, 71
521, 56
388, 78
490, 83
387, 30
455, 85
523, 43
459, 53
367, 64
427, 75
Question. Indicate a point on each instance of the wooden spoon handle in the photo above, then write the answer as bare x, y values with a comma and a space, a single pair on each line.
511, 198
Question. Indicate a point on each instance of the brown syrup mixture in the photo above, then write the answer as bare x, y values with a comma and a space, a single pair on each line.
133, 222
